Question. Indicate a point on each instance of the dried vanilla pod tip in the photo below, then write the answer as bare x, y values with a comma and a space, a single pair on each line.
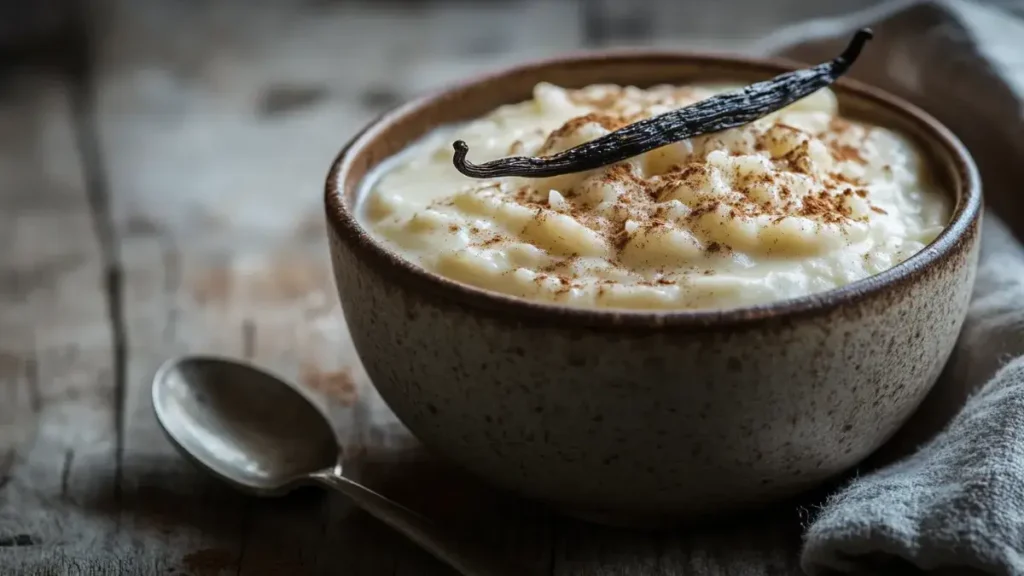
720, 112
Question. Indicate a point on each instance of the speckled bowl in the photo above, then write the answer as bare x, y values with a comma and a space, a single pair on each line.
637, 417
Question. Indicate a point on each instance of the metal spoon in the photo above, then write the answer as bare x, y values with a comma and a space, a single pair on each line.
265, 438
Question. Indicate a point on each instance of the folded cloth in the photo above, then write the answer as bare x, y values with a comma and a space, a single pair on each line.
955, 505
958, 502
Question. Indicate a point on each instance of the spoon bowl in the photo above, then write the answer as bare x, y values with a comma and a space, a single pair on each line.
262, 435
243, 424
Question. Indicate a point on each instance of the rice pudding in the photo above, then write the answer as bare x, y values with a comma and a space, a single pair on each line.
801, 201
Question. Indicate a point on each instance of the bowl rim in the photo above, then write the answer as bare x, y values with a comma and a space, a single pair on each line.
343, 222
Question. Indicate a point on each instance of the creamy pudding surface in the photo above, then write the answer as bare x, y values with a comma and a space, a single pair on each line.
798, 202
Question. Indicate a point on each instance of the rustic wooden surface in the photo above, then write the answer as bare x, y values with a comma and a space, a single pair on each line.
161, 171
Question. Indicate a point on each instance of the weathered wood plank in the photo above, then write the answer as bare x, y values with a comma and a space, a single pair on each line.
754, 544
58, 432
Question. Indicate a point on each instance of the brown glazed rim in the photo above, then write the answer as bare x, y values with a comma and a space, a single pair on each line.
410, 276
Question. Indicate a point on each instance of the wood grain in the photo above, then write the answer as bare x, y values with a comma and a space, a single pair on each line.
160, 190
58, 442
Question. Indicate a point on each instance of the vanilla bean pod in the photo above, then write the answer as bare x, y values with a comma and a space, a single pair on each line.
714, 114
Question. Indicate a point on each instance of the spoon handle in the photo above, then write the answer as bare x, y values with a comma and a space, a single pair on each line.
457, 554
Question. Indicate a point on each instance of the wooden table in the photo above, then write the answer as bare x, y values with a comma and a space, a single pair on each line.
161, 170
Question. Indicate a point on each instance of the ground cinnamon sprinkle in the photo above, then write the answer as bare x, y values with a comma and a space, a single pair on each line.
845, 153
609, 98
837, 125
607, 121
680, 196
828, 208
613, 99
492, 240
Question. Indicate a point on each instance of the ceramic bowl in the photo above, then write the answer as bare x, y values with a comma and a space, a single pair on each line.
636, 416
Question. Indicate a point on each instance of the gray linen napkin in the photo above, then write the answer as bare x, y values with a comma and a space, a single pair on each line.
958, 502
955, 505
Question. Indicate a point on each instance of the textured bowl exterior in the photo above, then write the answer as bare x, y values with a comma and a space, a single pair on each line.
640, 414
